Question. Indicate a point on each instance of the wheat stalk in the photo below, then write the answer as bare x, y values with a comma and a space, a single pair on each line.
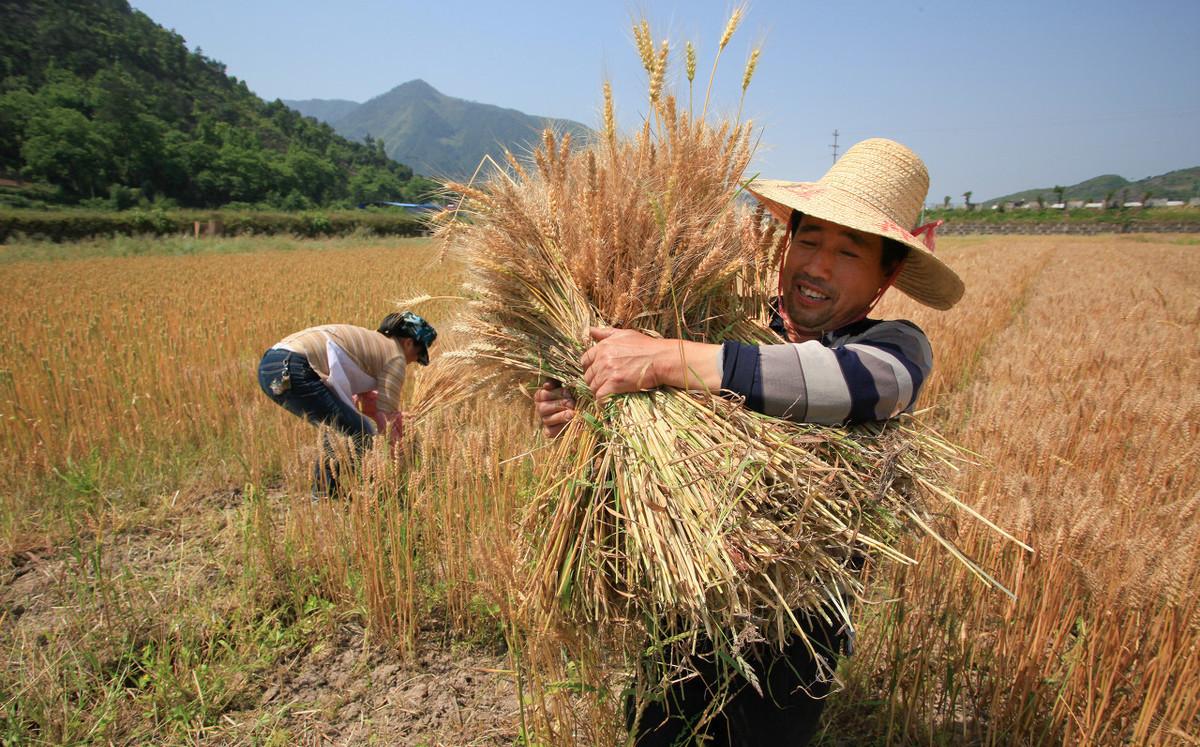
731, 25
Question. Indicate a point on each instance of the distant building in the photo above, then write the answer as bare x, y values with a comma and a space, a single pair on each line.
1133, 203
413, 207
1094, 205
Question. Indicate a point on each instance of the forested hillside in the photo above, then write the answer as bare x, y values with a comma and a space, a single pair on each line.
1181, 184
101, 102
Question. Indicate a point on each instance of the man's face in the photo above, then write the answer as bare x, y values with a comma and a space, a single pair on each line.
830, 274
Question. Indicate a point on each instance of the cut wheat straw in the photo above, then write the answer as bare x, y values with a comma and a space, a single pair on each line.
672, 510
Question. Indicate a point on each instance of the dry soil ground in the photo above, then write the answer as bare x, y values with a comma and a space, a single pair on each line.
342, 689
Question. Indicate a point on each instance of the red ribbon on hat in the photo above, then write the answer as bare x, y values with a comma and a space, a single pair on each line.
928, 229
929, 239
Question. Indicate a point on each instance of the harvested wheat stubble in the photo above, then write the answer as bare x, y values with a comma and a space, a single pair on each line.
668, 509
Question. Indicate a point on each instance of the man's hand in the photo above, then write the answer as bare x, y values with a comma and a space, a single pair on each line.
555, 406
623, 361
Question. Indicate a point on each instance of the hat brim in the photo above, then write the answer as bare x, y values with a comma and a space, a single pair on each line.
924, 277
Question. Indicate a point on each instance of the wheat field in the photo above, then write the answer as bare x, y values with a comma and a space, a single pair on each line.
169, 577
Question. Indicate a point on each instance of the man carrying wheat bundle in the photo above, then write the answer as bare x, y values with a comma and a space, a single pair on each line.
851, 236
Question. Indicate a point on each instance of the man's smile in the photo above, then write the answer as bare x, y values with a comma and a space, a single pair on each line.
810, 294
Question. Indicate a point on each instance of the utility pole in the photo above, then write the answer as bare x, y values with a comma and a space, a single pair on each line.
834, 146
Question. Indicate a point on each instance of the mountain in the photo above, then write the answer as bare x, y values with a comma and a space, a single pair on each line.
1181, 184
438, 134
107, 106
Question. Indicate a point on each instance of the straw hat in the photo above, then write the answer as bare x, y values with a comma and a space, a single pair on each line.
878, 186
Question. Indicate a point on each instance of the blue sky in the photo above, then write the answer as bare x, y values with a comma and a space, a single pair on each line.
996, 97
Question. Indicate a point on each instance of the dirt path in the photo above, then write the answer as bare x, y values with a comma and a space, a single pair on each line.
346, 692
107, 610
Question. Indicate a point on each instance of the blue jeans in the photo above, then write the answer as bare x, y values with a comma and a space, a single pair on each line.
289, 380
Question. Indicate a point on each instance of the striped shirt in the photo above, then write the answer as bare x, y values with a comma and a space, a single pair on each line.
377, 355
866, 371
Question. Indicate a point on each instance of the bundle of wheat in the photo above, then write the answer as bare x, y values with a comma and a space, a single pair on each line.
678, 510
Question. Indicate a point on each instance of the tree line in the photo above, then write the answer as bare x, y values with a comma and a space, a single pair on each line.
104, 104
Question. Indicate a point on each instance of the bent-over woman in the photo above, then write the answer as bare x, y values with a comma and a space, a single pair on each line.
322, 374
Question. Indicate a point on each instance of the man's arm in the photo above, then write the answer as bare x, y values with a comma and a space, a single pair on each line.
624, 361
874, 375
